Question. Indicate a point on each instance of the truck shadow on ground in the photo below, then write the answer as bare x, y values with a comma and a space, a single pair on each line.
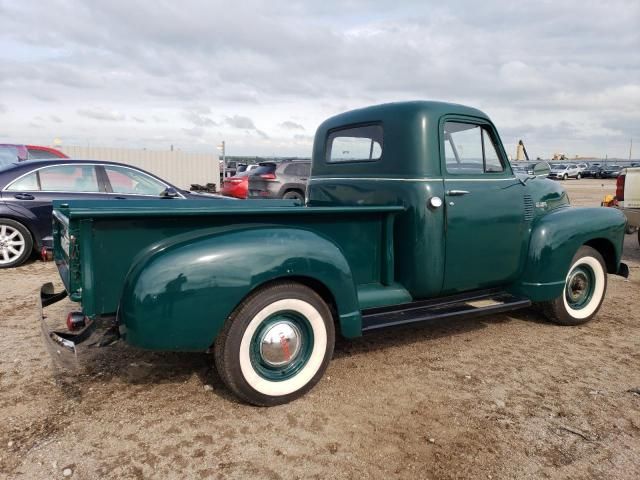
140, 367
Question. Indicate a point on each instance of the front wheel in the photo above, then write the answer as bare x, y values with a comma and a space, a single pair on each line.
276, 345
578, 177
585, 286
565, 176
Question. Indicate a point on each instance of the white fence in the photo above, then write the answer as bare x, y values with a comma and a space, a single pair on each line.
179, 168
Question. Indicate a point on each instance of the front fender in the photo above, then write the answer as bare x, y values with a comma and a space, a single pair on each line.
178, 294
554, 240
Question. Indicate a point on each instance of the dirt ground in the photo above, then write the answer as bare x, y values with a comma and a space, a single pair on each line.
508, 396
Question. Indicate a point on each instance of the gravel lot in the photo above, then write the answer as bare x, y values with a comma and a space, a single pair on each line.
509, 396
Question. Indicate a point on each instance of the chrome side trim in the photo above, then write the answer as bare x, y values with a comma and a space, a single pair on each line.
320, 179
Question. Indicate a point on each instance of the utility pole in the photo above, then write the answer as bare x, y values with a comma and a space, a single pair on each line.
630, 148
224, 159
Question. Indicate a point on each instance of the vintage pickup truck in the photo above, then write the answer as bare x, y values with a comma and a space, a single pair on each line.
412, 213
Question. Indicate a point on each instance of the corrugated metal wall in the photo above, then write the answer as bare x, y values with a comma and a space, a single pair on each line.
179, 168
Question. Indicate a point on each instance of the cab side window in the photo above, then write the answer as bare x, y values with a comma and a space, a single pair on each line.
469, 149
356, 144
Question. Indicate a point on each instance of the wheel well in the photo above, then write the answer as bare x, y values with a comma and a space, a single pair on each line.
315, 285
606, 249
293, 189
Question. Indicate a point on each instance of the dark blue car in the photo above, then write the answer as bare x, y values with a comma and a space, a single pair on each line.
27, 190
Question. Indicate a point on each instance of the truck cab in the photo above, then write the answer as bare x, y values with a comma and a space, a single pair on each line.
468, 216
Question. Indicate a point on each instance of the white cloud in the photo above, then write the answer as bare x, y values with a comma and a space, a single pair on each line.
290, 125
101, 114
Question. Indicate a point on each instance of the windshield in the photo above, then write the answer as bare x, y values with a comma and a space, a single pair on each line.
559, 167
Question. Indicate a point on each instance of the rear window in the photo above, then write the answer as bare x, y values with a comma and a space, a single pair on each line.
37, 154
356, 144
302, 169
263, 169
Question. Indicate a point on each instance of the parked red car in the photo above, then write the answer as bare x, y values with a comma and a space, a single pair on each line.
38, 152
236, 186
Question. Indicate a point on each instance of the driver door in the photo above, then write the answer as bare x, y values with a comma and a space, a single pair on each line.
484, 202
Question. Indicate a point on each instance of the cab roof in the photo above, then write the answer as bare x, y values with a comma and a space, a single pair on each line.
411, 145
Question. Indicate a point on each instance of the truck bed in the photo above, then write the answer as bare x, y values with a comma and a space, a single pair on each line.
97, 242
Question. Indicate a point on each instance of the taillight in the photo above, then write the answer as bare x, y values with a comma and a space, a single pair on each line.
620, 187
268, 176
76, 321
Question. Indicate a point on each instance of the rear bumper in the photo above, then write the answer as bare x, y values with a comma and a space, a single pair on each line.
71, 350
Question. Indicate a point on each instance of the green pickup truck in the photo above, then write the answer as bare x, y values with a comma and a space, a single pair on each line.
412, 213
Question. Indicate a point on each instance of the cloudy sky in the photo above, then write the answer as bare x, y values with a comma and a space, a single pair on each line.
562, 75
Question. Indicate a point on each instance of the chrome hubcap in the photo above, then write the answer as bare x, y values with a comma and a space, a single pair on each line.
11, 244
580, 287
280, 344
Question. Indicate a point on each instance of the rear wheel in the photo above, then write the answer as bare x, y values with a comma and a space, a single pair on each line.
276, 345
294, 195
585, 286
16, 243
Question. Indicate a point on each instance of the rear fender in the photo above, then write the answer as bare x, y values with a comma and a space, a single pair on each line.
178, 293
557, 236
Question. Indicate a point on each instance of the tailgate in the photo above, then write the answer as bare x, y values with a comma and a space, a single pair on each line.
63, 251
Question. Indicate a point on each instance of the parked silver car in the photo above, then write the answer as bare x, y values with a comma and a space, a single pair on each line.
563, 171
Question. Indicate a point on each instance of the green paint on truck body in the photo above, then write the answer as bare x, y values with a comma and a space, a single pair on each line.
175, 270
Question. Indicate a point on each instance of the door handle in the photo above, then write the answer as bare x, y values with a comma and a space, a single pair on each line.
457, 193
24, 196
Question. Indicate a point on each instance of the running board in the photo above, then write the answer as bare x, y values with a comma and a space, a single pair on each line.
473, 304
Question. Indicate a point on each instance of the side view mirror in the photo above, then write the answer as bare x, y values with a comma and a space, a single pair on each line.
169, 192
541, 169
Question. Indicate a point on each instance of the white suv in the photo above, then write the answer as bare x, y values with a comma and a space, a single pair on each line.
563, 171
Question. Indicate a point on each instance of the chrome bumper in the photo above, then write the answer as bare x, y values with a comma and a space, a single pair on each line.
72, 350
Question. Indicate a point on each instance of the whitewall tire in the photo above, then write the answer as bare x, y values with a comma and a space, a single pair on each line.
584, 290
276, 345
